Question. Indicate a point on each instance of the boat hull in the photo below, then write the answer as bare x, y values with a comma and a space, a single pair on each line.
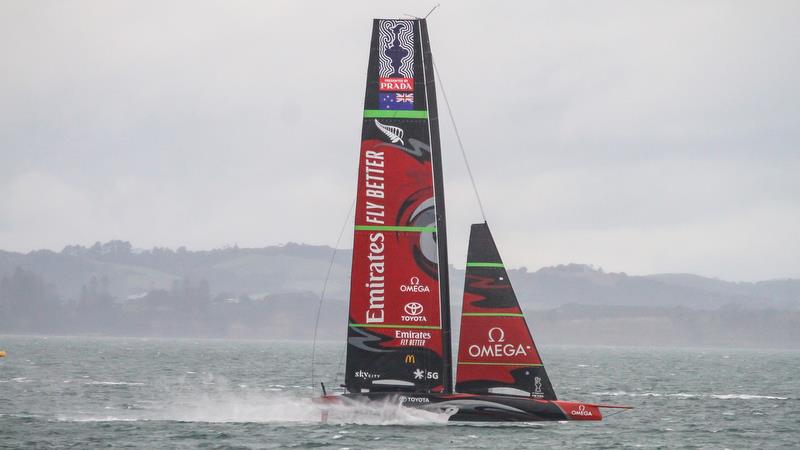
480, 407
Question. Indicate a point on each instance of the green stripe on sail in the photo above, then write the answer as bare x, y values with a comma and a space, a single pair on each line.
395, 228
492, 314
470, 363
485, 264
394, 114
368, 325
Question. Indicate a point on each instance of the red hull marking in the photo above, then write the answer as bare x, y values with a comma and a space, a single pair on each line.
579, 411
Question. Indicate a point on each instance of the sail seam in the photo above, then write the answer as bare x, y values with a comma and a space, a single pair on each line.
493, 314
395, 228
394, 114
369, 325
499, 364
485, 264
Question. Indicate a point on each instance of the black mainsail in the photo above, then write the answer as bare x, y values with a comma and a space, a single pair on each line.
399, 319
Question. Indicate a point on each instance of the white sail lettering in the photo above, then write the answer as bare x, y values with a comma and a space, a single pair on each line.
371, 154
373, 166
375, 189
398, 334
371, 171
375, 213
376, 247
374, 313
374, 316
481, 351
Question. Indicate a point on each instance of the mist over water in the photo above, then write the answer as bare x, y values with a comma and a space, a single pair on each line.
91, 392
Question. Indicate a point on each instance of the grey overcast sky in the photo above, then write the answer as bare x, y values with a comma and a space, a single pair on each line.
639, 136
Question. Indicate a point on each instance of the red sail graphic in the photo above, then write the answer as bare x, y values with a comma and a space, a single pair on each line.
395, 328
496, 351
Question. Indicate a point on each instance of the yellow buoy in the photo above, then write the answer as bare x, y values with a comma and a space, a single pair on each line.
2, 353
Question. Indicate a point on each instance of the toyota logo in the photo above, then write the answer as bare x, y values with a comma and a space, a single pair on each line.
413, 309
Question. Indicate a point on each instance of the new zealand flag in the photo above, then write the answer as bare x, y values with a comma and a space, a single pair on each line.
395, 100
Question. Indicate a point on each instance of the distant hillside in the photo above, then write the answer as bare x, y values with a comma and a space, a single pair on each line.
575, 283
112, 288
235, 271
302, 268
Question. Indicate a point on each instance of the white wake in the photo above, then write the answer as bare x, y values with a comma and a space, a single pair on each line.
686, 395
261, 407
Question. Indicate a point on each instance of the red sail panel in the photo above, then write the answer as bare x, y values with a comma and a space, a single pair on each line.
496, 350
395, 330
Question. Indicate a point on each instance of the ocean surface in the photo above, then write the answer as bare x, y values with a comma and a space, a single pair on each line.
158, 393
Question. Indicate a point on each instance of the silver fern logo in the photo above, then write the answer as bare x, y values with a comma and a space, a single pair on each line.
395, 134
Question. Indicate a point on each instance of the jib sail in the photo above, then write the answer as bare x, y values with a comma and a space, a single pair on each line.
398, 331
496, 351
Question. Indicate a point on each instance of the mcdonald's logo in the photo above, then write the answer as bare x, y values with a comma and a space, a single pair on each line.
411, 359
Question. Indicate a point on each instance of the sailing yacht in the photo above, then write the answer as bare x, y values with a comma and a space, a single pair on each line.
399, 332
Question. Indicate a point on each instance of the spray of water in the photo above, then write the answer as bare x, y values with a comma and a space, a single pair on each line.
280, 407
217, 401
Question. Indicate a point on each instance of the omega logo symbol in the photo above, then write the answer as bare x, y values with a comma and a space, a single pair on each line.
414, 281
497, 334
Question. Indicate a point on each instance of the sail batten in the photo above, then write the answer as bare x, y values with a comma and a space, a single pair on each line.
413, 327
492, 315
486, 264
378, 114
474, 363
397, 228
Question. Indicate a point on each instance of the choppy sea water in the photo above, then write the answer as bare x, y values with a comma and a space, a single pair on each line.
156, 393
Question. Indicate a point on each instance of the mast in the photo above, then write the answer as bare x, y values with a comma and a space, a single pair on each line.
441, 222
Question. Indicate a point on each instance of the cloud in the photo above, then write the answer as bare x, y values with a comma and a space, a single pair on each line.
640, 137
37, 210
